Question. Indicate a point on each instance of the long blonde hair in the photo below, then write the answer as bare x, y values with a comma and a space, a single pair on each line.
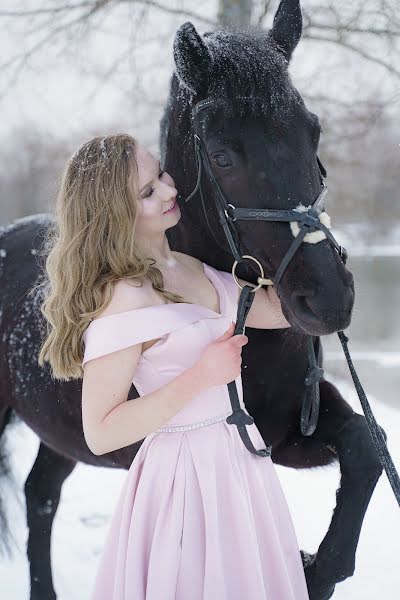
91, 246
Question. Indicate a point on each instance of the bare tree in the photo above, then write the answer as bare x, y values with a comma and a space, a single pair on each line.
366, 177
369, 29
31, 165
365, 32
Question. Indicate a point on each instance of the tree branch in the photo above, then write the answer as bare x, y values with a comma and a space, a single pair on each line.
44, 11
173, 11
19, 61
265, 10
360, 51
98, 4
352, 25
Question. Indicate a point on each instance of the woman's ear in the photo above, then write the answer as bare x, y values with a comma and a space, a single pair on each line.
193, 60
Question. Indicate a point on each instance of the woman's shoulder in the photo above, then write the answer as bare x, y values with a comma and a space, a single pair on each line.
128, 295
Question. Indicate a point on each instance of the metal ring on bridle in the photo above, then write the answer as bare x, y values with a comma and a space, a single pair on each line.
226, 213
261, 280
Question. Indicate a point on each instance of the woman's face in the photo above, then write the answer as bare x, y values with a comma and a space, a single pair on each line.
157, 194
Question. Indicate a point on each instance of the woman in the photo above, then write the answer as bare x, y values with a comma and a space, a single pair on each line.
199, 516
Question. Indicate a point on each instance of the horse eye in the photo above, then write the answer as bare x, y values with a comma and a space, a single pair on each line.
222, 160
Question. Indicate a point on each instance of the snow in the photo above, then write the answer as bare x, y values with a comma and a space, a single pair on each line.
90, 494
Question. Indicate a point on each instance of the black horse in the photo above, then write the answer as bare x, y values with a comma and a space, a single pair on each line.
261, 142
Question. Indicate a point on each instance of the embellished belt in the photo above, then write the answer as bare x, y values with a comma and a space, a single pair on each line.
193, 425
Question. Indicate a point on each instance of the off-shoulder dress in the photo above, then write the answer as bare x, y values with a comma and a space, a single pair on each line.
199, 517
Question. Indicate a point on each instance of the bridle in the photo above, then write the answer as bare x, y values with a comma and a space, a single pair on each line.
309, 220
229, 214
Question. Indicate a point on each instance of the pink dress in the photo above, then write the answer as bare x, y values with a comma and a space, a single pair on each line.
199, 516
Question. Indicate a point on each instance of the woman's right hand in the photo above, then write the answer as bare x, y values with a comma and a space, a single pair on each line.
222, 360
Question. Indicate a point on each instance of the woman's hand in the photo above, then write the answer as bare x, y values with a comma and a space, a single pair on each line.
222, 360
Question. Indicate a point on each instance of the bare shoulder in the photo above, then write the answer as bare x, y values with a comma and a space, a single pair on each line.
128, 295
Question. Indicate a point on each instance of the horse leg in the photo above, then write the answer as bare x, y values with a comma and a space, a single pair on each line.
360, 470
6, 539
343, 432
42, 492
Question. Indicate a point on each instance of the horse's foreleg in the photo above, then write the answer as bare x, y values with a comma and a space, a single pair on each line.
360, 470
42, 492
344, 432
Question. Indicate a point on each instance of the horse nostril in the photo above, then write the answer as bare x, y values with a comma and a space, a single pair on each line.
306, 305
303, 294
301, 298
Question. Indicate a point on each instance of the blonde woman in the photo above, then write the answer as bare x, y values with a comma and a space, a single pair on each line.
199, 516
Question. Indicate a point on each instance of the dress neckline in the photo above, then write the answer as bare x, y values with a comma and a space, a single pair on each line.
209, 272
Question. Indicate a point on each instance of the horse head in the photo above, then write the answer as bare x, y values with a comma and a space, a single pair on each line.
234, 109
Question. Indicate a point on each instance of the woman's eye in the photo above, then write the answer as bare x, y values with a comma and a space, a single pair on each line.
222, 160
151, 190
148, 193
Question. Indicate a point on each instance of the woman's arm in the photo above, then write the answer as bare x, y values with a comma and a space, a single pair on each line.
110, 420
266, 310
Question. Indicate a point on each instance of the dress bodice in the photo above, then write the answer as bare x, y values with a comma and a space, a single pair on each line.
185, 330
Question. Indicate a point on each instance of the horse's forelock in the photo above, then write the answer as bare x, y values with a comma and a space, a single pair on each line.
249, 75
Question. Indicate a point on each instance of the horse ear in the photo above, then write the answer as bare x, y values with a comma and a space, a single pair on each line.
192, 59
287, 26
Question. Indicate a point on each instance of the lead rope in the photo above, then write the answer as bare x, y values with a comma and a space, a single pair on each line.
238, 416
310, 408
376, 432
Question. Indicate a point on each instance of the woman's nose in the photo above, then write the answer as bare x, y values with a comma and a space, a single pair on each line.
169, 189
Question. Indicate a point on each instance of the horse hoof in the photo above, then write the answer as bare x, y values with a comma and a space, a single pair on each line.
306, 558
318, 588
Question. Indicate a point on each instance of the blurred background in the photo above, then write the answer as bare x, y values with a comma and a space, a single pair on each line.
72, 69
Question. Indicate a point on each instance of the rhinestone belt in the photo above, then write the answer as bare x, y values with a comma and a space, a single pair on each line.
193, 425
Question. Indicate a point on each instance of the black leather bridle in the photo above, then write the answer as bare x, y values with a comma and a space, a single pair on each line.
228, 214
308, 221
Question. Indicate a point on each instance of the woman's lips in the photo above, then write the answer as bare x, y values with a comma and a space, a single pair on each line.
173, 207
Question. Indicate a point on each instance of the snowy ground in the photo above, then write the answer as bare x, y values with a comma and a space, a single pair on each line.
89, 495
